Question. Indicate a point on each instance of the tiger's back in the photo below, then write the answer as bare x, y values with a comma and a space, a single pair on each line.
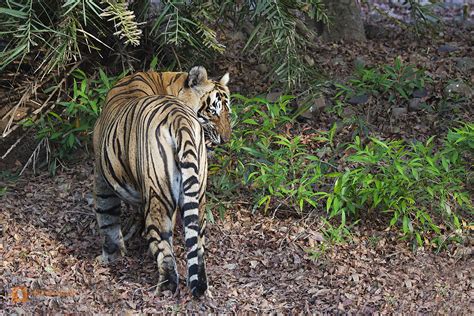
134, 141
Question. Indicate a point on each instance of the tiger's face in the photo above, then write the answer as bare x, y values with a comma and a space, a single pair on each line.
211, 101
214, 114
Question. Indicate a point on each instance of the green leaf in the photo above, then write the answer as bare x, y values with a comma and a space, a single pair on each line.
14, 13
405, 224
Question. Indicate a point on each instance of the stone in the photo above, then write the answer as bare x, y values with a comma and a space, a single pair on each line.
239, 36
338, 61
274, 96
415, 104
458, 88
309, 60
348, 112
360, 62
358, 99
262, 68
446, 48
320, 103
465, 64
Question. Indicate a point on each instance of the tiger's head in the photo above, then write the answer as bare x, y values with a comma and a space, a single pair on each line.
211, 101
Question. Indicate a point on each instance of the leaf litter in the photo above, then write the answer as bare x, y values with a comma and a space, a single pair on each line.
255, 263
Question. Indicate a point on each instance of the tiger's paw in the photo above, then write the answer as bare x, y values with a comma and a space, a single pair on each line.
169, 284
106, 258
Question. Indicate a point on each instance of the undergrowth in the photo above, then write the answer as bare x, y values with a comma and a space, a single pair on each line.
421, 190
394, 83
69, 126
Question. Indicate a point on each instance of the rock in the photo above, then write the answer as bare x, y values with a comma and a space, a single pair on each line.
358, 99
415, 104
420, 93
360, 62
459, 89
465, 64
373, 31
318, 106
320, 103
274, 96
447, 48
338, 61
308, 114
399, 112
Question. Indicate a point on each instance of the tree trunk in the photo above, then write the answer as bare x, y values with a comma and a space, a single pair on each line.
345, 21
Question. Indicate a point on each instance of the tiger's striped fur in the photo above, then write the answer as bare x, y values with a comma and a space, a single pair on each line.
150, 151
210, 99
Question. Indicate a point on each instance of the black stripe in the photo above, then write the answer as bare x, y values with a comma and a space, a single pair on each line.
193, 226
187, 165
177, 76
113, 210
188, 206
190, 219
152, 239
192, 194
191, 242
192, 254
106, 195
152, 228
190, 152
192, 270
188, 183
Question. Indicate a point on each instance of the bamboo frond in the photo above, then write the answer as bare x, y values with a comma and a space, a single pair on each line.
124, 22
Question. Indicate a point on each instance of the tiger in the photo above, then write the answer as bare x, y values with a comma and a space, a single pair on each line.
150, 143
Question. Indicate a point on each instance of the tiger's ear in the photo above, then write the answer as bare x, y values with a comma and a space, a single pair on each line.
225, 79
197, 75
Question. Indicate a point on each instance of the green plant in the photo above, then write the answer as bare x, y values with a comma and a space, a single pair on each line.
395, 83
71, 126
421, 189
278, 169
63, 30
280, 35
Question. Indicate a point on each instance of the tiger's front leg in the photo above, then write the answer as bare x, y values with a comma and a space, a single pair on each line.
107, 210
159, 225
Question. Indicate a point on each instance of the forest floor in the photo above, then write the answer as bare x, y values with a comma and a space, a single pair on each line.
49, 238
255, 263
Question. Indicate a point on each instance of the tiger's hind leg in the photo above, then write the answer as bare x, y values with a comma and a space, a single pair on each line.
159, 234
107, 210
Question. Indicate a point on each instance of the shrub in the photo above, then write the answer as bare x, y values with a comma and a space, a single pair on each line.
423, 190
70, 127
275, 168
395, 82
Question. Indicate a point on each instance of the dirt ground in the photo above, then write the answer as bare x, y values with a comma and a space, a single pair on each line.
255, 263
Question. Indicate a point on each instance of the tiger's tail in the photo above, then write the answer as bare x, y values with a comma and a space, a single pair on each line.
191, 203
